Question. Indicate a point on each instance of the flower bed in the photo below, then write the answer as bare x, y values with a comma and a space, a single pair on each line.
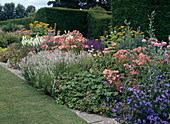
99, 76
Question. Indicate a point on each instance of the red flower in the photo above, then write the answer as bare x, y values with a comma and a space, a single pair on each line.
126, 111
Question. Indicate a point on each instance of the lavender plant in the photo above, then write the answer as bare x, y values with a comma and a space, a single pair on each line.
41, 70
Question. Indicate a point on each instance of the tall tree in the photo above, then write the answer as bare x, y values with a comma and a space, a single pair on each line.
8, 10
1, 13
20, 11
30, 9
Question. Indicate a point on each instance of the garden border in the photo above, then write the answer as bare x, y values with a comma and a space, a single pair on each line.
90, 118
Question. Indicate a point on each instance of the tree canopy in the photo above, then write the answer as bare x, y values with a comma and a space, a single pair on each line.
77, 4
9, 11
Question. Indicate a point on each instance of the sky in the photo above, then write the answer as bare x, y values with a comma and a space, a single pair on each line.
37, 3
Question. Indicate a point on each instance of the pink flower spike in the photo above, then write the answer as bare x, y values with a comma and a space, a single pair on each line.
169, 38
144, 40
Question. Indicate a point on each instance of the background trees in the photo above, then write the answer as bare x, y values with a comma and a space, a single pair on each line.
84, 4
9, 11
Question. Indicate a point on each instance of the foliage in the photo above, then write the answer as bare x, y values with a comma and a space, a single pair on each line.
70, 41
131, 10
30, 11
20, 11
80, 20
26, 41
42, 69
25, 101
76, 4
39, 28
98, 22
7, 38
3, 54
85, 92
124, 36
11, 27
22, 21
8, 11
14, 53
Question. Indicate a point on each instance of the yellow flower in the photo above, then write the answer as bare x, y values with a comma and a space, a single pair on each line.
115, 27
35, 21
110, 26
96, 39
94, 55
136, 32
101, 37
122, 26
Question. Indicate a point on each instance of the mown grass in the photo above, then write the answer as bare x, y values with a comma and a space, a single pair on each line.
23, 104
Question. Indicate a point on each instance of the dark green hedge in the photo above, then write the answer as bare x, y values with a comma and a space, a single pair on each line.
74, 19
21, 21
65, 19
97, 24
137, 11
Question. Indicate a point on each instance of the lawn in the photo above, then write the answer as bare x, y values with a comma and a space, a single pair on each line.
21, 103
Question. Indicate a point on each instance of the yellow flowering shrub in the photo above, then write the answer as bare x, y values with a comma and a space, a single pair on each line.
39, 28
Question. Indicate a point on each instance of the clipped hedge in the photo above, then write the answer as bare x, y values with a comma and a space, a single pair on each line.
137, 13
65, 19
74, 19
21, 21
97, 24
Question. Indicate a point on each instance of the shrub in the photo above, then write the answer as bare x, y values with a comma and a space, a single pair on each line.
124, 36
14, 53
39, 28
7, 38
69, 41
3, 54
90, 23
11, 27
22, 21
97, 24
137, 13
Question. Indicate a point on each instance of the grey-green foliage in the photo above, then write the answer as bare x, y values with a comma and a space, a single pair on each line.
128, 41
41, 70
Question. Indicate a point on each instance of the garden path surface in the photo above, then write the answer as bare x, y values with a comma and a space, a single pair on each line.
90, 118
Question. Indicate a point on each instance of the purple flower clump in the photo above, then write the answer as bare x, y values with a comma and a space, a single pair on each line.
96, 45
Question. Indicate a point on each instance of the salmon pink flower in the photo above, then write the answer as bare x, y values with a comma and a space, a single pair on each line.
30, 52
163, 43
115, 44
144, 40
169, 38
168, 47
